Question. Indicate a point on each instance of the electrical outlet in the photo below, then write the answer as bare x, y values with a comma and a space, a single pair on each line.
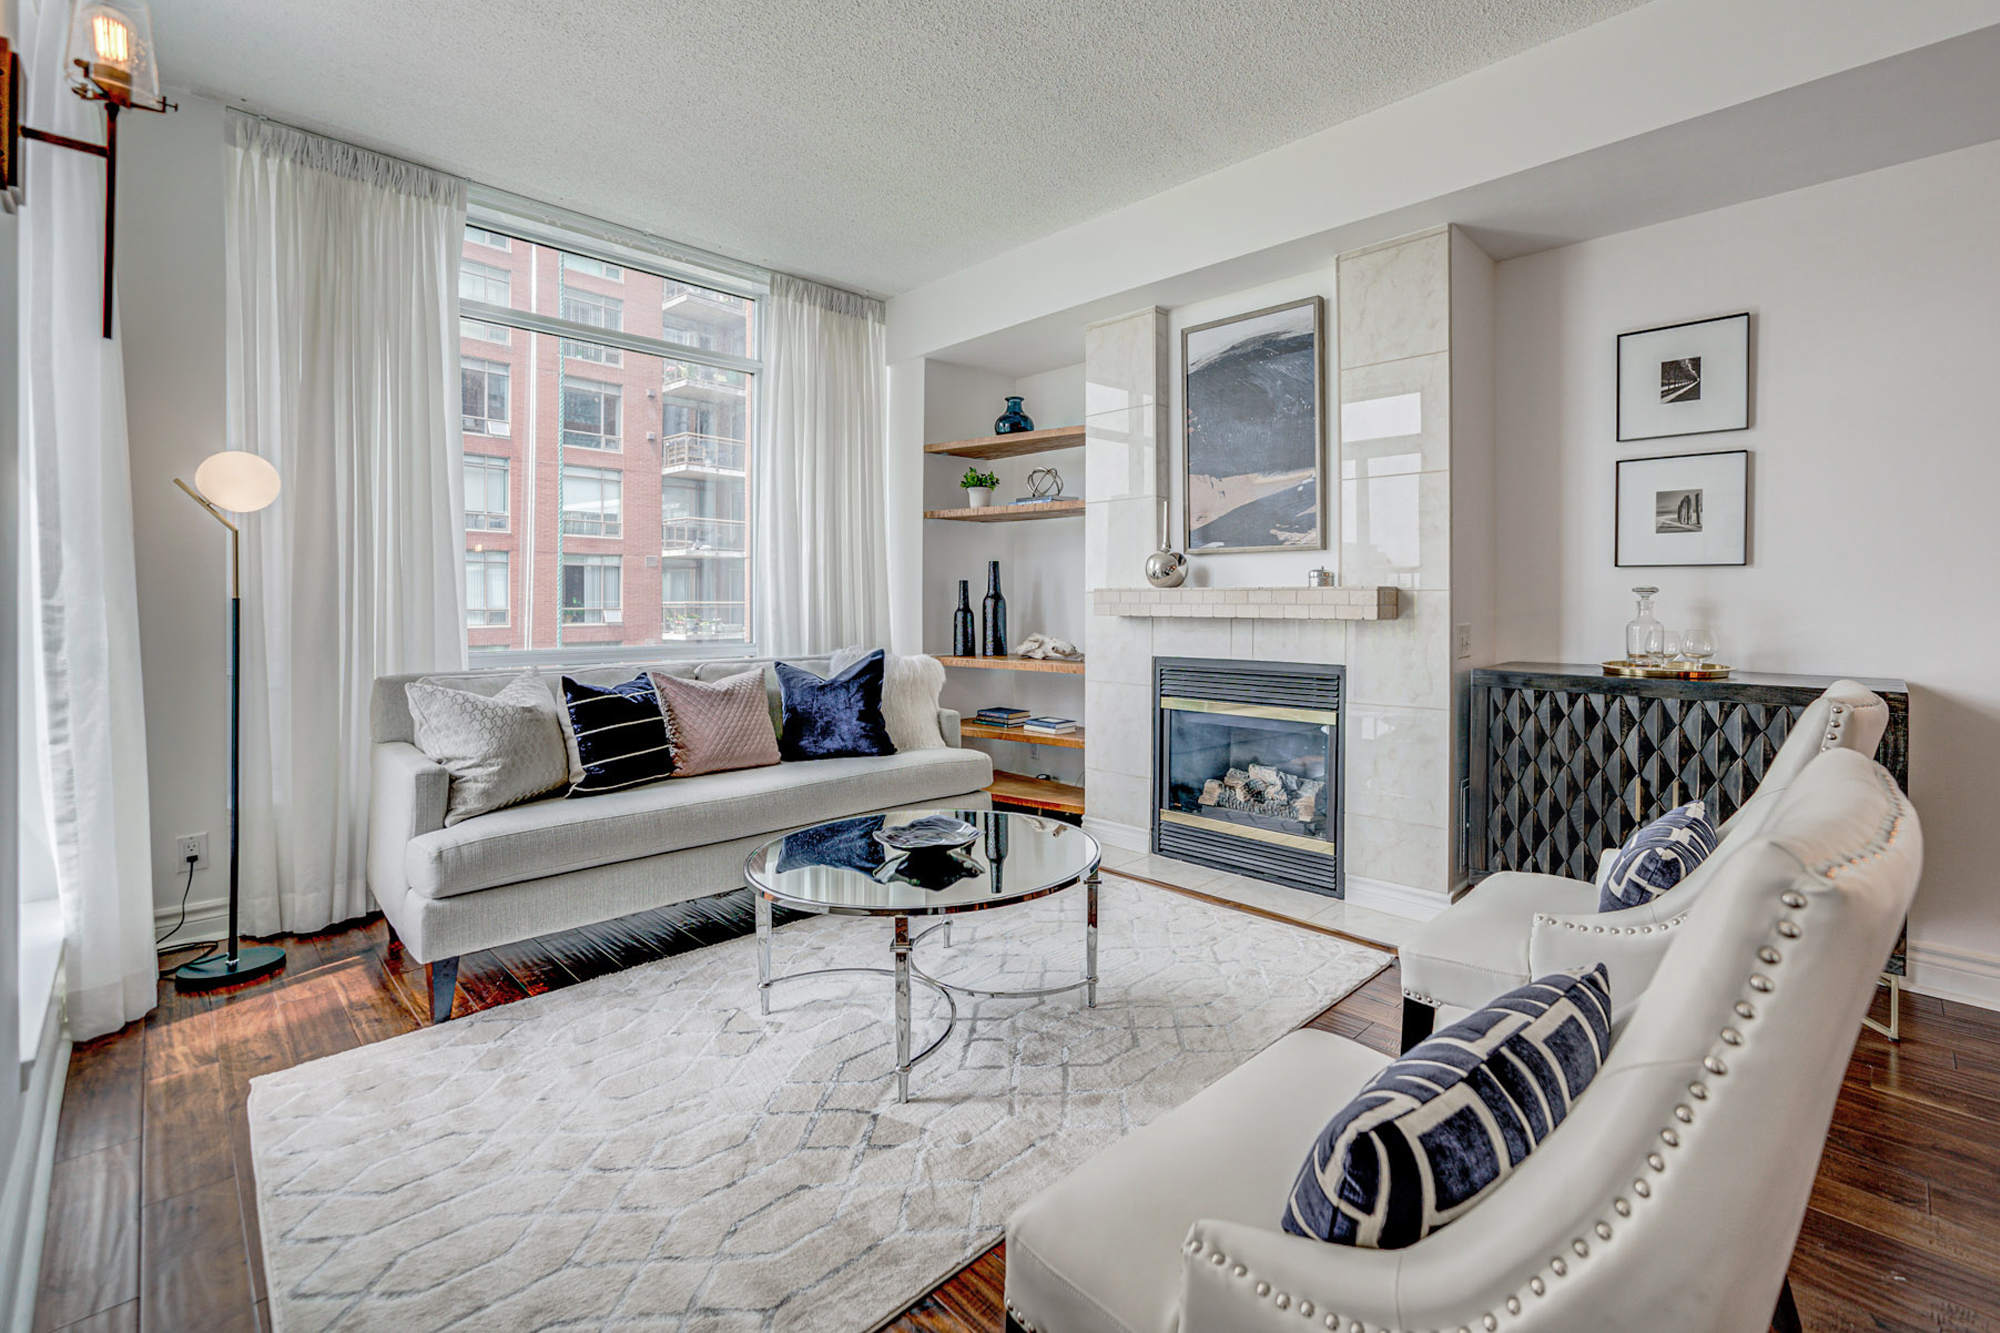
1465, 640
194, 845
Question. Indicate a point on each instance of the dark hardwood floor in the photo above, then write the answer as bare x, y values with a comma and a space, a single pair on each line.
152, 1224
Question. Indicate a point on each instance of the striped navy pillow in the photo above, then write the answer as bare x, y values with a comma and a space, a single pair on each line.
1656, 858
1427, 1137
621, 735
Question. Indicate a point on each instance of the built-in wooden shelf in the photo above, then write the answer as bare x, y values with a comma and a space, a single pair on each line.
1069, 740
1036, 793
1010, 513
1015, 445
1012, 663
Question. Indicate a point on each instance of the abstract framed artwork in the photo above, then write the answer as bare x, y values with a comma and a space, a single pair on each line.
1684, 509
1684, 379
1252, 388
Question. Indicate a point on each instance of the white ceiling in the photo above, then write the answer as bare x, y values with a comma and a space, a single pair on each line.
876, 144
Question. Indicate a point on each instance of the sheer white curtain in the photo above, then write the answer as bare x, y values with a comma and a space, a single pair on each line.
821, 560
342, 271
82, 631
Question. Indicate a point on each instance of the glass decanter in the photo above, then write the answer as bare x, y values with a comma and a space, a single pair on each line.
1643, 632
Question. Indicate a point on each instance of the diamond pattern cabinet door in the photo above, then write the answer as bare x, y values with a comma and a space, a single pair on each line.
1572, 771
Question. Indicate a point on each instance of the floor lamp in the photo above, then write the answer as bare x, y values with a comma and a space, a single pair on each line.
241, 483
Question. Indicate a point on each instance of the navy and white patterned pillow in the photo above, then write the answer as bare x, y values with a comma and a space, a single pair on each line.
620, 733
1427, 1137
1656, 858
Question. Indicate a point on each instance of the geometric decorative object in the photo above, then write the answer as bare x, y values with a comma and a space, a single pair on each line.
1684, 509
1566, 762
1684, 379
1253, 430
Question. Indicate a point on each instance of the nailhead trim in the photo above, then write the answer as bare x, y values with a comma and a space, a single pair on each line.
1699, 1090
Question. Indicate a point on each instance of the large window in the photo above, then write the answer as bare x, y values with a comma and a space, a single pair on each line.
593, 463
590, 415
591, 500
485, 588
484, 388
485, 494
590, 590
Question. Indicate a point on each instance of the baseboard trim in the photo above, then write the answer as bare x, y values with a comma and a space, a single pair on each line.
207, 921
1125, 837
1954, 974
24, 1193
1396, 899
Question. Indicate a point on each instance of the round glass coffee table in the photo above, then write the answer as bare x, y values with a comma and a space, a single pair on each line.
838, 868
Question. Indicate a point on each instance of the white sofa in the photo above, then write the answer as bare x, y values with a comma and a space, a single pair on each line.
1670, 1198
555, 864
1514, 926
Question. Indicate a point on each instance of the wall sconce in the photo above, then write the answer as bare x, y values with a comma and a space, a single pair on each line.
110, 60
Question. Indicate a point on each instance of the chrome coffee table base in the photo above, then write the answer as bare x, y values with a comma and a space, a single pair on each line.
904, 972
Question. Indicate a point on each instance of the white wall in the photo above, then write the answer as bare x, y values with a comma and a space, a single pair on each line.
170, 291
1875, 472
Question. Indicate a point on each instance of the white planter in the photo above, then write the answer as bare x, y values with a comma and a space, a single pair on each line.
978, 497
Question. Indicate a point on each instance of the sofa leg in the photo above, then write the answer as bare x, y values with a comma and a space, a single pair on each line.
1418, 1020
1014, 1325
444, 985
1785, 1319
395, 940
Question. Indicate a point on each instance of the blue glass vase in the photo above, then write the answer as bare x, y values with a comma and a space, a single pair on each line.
1012, 419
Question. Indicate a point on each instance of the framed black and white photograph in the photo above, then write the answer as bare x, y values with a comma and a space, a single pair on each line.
1684, 379
1685, 509
1254, 436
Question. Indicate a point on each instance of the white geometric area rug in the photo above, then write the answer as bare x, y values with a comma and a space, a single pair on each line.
647, 1151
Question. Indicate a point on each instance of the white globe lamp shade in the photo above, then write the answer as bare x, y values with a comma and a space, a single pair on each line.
237, 480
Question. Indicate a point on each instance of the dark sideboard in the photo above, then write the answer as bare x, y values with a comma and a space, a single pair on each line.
1566, 761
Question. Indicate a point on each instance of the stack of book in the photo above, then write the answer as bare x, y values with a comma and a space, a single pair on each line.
1001, 717
1049, 726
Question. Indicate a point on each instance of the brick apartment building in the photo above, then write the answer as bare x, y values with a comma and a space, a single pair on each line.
604, 488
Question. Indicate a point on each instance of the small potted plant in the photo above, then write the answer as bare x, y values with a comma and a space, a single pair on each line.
979, 487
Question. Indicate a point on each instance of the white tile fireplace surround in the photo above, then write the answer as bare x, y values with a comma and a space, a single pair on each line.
1406, 496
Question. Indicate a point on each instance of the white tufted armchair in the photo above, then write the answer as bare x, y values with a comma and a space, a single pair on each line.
1514, 926
1669, 1199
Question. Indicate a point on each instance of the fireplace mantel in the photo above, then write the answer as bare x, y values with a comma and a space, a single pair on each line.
1384, 603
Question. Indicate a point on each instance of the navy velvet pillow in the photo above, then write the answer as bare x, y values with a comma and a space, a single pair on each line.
621, 735
836, 718
1432, 1134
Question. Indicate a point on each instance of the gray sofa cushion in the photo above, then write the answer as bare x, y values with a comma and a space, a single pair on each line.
557, 836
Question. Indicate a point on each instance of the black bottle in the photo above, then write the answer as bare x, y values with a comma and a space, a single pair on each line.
993, 615
964, 640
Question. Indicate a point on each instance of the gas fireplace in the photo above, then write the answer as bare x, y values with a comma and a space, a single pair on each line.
1246, 768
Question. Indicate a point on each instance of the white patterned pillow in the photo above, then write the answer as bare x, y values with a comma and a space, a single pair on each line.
1656, 858
500, 749
910, 689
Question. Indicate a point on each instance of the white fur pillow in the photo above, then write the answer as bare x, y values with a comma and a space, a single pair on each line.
910, 689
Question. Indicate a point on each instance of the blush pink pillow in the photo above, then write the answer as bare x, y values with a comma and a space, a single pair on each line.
716, 725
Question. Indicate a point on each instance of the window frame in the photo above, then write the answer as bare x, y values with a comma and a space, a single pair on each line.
481, 366
587, 561
490, 463
611, 529
537, 224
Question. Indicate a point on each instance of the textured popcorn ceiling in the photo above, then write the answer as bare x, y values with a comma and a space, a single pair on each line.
873, 143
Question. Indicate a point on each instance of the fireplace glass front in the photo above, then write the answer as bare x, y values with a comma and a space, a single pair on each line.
1247, 768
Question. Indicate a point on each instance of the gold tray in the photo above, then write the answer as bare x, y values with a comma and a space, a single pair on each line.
1621, 667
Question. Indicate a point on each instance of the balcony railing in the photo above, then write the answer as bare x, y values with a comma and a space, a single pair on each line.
674, 290
688, 451
685, 536
707, 377
703, 622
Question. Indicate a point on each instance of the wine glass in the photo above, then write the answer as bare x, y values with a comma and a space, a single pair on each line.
1699, 645
1670, 648
1656, 645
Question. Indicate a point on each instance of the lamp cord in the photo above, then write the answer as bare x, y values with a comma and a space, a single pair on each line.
182, 921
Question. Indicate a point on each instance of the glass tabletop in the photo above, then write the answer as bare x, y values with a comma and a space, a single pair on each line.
840, 867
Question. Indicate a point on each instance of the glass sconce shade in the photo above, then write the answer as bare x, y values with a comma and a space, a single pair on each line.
237, 480
111, 50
